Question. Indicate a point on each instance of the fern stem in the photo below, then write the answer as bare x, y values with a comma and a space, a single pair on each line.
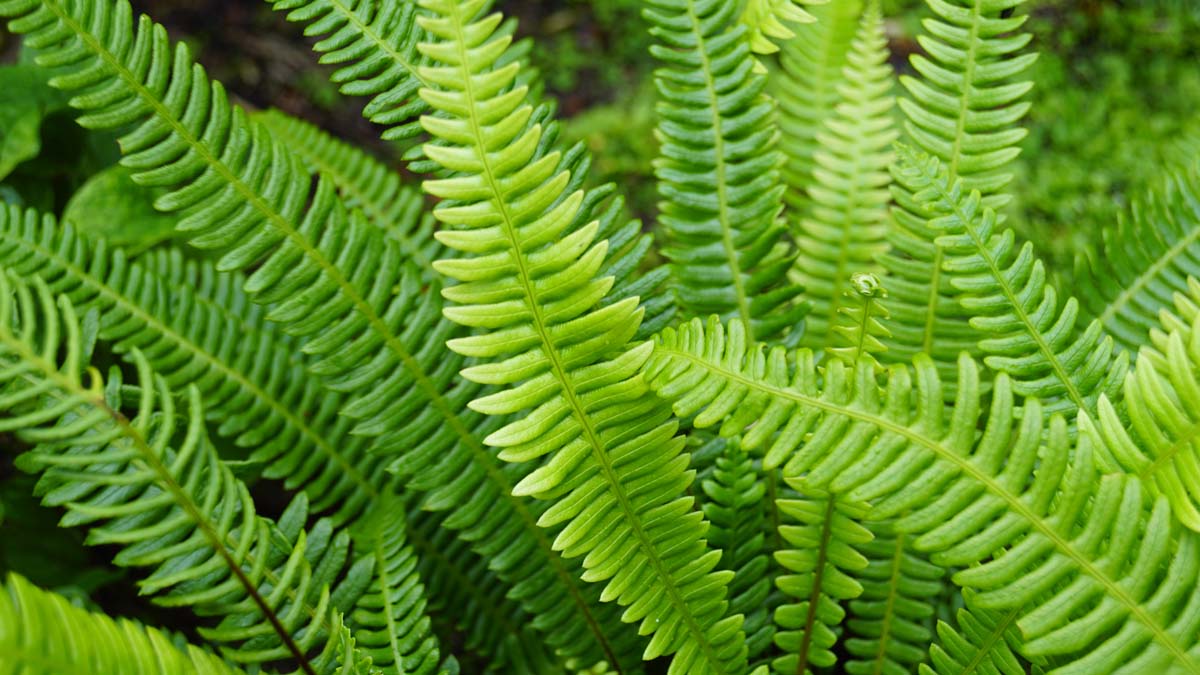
893, 592
814, 596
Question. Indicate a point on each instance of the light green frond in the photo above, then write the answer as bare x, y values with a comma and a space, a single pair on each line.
1144, 259
982, 641
842, 233
963, 109
528, 283
888, 629
1160, 443
863, 314
821, 533
154, 486
806, 87
1102, 578
718, 170
1027, 333
43, 634
771, 21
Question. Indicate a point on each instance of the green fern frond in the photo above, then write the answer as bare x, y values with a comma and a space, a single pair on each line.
41, 633
611, 462
963, 110
888, 629
177, 314
1004, 288
371, 327
1102, 577
768, 21
162, 494
983, 641
861, 329
821, 559
718, 170
1144, 259
736, 510
843, 232
363, 183
1161, 441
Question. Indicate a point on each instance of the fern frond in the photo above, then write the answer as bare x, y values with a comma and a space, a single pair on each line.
1102, 577
768, 21
861, 329
374, 45
843, 232
718, 170
736, 510
889, 623
1028, 334
172, 506
363, 183
1144, 259
372, 327
983, 641
963, 110
821, 559
41, 633
806, 87
1161, 441
177, 314
611, 462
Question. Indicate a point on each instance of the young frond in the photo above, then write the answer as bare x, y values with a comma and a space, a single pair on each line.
529, 285
1144, 259
718, 170
42, 633
963, 110
768, 21
862, 322
1005, 290
155, 486
843, 231
1102, 578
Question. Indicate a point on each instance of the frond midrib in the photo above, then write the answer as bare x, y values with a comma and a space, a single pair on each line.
553, 357
1146, 276
996, 636
378, 41
814, 596
895, 575
1013, 501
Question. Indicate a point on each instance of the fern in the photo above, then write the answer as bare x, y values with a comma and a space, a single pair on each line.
534, 295
1005, 290
963, 111
718, 170
862, 322
984, 642
767, 21
1087, 572
173, 508
1144, 259
40, 635
843, 232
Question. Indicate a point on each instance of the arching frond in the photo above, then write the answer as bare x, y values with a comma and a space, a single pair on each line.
963, 109
154, 486
529, 283
1145, 258
1029, 335
718, 170
1102, 578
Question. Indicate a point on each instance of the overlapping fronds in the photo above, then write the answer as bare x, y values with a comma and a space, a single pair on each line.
1161, 441
363, 183
982, 641
155, 486
196, 327
735, 507
806, 88
888, 629
1144, 259
372, 327
611, 462
768, 21
844, 230
1101, 576
1030, 335
963, 109
718, 170
42, 633
821, 534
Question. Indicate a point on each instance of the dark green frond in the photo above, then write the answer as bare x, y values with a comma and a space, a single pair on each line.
718, 170
982, 641
43, 634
